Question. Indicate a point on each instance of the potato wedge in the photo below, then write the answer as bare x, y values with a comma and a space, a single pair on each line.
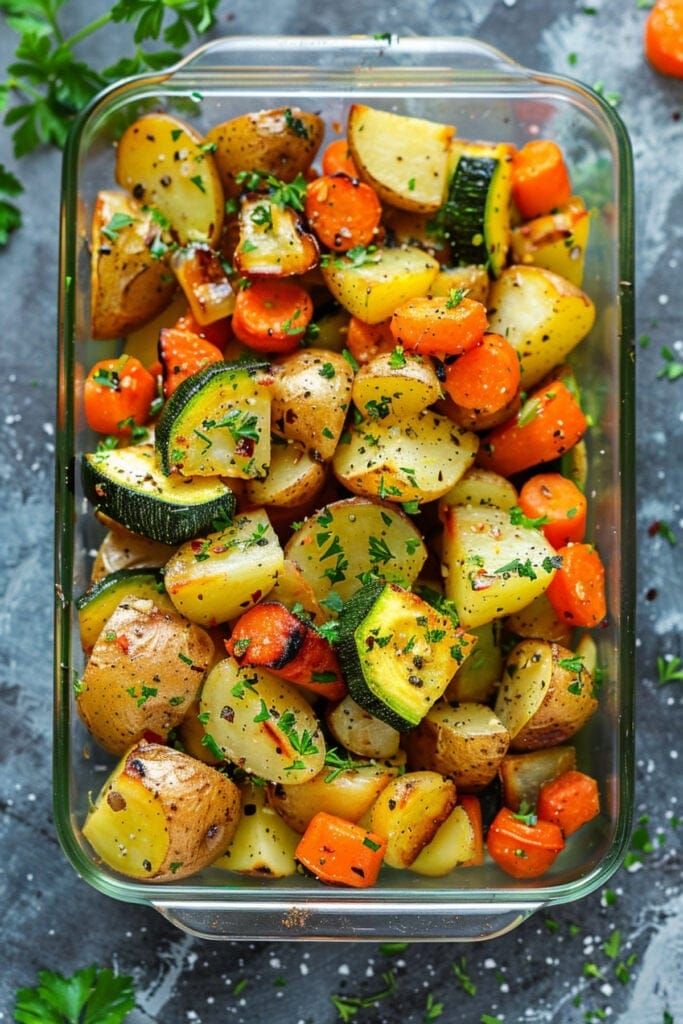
349, 794
481, 488
293, 478
556, 242
391, 389
292, 588
408, 812
128, 286
161, 815
144, 672
476, 678
405, 227
281, 142
493, 568
538, 621
522, 775
474, 281
204, 281
263, 845
466, 742
542, 315
419, 459
273, 242
310, 398
122, 549
360, 732
218, 577
454, 845
161, 162
545, 696
405, 159
372, 290
349, 525
261, 723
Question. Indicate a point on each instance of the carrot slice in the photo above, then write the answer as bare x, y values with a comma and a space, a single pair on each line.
337, 159
577, 590
343, 211
664, 37
439, 326
521, 850
486, 377
569, 801
540, 180
270, 636
117, 395
218, 333
365, 341
183, 354
472, 808
548, 424
339, 852
550, 496
272, 316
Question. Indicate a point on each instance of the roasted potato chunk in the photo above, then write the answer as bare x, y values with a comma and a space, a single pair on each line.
311, 395
467, 742
390, 388
272, 240
408, 813
263, 845
348, 794
522, 775
372, 289
360, 732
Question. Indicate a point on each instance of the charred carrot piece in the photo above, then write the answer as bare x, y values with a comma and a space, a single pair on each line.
540, 180
182, 354
365, 341
569, 801
341, 853
439, 326
485, 378
218, 333
520, 849
342, 211
577, 590
272, 316
117, 395
337, 159
557, 501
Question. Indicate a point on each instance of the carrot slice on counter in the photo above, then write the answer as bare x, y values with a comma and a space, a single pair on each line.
343, 211
272, 316
182, 354
486, 377
548, 424
339, 852
117, 395
540, 180
337, 159
577, 590
664, 37
569, 801
440, 325
472, 807
270, 636
218, 333
365, 341
550, 496
521, 850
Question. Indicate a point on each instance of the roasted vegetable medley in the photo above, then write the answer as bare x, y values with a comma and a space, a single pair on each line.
337, 624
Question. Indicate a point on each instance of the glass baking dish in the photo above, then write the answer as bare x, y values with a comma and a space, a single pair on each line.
461, 82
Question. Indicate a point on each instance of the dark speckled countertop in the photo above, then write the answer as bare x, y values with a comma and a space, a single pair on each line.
51, 918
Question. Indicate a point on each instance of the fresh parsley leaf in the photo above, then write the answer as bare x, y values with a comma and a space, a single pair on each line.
10, 215
455, 297
517, 518
94, 995
118, 221
669, 670
672, 368
295, 124
397, 358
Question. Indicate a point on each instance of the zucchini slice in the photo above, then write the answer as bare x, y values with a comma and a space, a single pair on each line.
217, 423
398, 653
100, 600
127, 485
478, 206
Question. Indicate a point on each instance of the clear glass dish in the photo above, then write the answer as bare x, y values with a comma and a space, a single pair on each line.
487, 96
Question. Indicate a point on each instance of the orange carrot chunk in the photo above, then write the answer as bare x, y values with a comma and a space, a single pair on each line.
117, 395
183, 354
343, 211
664, 37
472, 808
540, 180
548, 424
486, 377
577, 590
272, 316
557, 501
569, 801
270, 636
521, 850
339, 852
218, 333
337, 159
365, 341
439, 326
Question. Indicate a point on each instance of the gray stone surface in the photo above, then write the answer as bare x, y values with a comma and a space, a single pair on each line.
50, 918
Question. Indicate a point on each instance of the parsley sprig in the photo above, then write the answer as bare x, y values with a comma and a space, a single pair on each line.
95, 995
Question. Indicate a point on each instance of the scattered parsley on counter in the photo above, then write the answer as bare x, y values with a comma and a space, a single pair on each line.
669, 669
94, 994
672, 368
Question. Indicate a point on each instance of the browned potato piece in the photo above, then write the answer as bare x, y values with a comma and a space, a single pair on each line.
473, 280
348, 795
408, 813
162, 163
281, 142
406, 227
308, 405
522, 775
359, 731
161, 815
273, 242
292, 587
473, 419
144, 672
263, 845
190, 732
466, 742
538, 621
206, 285
545, 696
392, 393
122, 549
128, 285
293, 478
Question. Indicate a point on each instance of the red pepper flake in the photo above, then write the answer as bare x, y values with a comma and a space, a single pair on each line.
122, 643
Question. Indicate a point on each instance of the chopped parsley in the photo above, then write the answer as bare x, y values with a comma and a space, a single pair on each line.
262, 216
455, 297
397, 358
116, 224
295, 124
327, 370
669, 670
518, 518
199, 182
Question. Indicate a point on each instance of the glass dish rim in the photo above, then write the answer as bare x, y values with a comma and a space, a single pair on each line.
407, 900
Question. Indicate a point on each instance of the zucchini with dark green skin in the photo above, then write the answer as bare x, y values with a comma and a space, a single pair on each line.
478, 206
397, 653
100, 600
126, 484
217, 423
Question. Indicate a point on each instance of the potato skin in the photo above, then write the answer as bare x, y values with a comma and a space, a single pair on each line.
197, 808
408, 813
122, 549
466, 742
148, 648
307, 406
349, 795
